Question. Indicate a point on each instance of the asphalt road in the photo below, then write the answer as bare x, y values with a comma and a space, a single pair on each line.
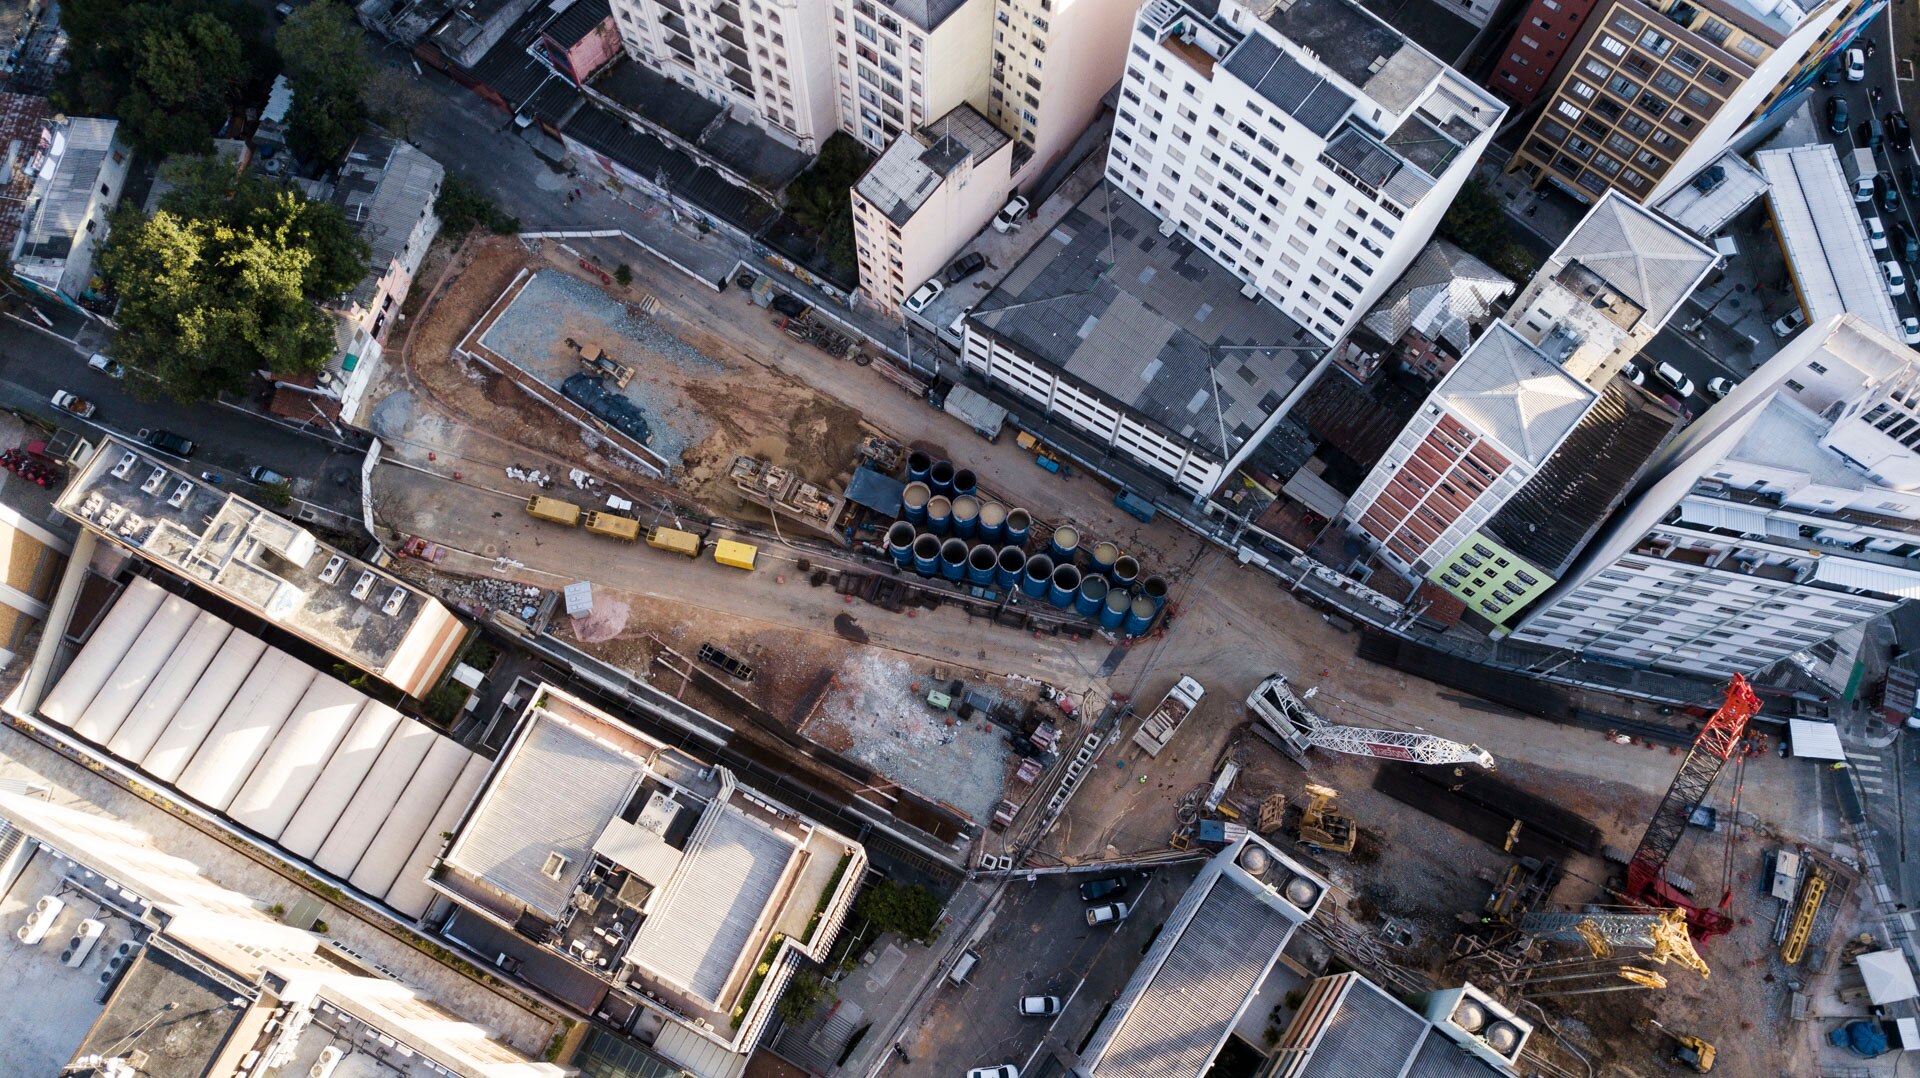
34, 365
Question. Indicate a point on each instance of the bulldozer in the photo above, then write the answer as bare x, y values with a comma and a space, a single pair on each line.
1322, 828
1689, 1051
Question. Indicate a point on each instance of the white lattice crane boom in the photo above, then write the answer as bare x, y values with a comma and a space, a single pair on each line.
1297, 728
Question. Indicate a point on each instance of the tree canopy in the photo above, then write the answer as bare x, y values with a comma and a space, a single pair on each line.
1478, 223
221, 280
325, 58
171, 70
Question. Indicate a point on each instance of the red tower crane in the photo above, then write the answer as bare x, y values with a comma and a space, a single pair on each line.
1717, 743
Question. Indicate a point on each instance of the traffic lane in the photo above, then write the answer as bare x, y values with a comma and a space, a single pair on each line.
1672, 346
1040, 944
228, 441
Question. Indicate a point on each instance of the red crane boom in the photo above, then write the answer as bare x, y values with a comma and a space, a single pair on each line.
1711, 750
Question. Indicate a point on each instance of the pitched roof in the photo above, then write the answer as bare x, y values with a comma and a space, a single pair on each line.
1638, 252
1514, 394
1442, 294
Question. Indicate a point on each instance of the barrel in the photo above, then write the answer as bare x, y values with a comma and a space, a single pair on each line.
1155, 589
1018, 523
953, 559
1126, 569
941, 476
900, 543
965, 482
914, 499
1012, 564
980, 563
918, 465
1039, 574
1113, 612
1105, 553
939, 514
1140, 615
966, 515
1093, 595
926, 554
993, 522
1066, 585
1066, 540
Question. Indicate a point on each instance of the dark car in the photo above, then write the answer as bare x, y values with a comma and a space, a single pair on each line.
1907, 245
1898, 132
1888, 192
1913, 181
789, 306
1098, 890
168, 442
966, 266
1830, 73
1837, 117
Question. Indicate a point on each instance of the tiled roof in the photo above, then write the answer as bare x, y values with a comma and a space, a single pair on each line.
1442, 295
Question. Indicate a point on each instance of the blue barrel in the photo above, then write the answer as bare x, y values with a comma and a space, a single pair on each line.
1113, 612
1105, 553
965, 482
993, 522
918, 465
1038, 575
966, 515
1126, 569
1066, 540
980, 562
1019, 521
939, 514
926, 555
1140, 615
1012, 564
953, 559
913, 501
1154, 588
941, 476
1066, 586
1093, 595
900, 543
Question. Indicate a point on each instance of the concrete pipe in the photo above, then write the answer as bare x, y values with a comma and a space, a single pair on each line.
953, 559
1038, 576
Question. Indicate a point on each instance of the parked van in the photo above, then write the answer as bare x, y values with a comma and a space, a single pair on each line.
968, 959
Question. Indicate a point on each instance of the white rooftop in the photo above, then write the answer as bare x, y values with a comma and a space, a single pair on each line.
1639, 252
1514, 394
1705, 212
1825, 243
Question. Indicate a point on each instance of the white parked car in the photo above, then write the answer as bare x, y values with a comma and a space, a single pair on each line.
1635, 373
1111, 913
107, 365
1910, 330
1896, 278
1039, 1006
1876, 233
1004, 1070
1681, 385
1787, 324
1009, 216
1856, 64
1718, 388
924, 295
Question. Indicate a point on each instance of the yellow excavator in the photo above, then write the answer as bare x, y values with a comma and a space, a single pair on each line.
1688, 1050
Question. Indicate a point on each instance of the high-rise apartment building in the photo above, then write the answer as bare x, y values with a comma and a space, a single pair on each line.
902, 64
1542, 40
1650, 93
1788, 512
925, 197
1053, 61
1308, 145
771, 60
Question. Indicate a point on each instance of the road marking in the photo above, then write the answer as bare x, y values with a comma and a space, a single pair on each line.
1064, 1004
1869, 768
1858, 755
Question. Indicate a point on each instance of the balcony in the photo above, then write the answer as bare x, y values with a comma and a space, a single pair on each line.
675, 25
729, 13
733, 36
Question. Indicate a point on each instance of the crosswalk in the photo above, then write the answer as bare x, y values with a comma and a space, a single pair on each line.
1871, 770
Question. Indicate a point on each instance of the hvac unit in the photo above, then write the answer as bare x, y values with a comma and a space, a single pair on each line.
133, 523
155, 481
40, 921
125, 467
323, 1066
180, 494
1250, 290
331, 571
395, 600
81, 945
1169, 226
363, 586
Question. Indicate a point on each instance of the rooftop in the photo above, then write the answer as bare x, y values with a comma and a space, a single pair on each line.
925, 14
1205, 966
22, 122
1514, 394
1834, 269
748, 151
1442, 296
1638, 253
72, 156
1715, 197
901, 180
1317, 102
1350, 1027
1151, 322
175, 1007
1551, 518
264, 563
464, 30
384, 188
575, 19
1360, 48
604, 131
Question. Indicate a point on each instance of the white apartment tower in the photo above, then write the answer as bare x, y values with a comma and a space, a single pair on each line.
770, 61
1053, 62
1788, 512
1308, 145
903, 64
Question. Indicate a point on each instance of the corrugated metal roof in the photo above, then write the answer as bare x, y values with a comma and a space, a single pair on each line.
385, 187
1442, 295
1369, 1035
1638, 252
1819, 227
1183, 1015
1441, 1058
1513, 394
1885, 581
702, 924
1717, 514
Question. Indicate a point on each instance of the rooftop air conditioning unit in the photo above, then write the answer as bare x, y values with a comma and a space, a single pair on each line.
363, 586
180, 494
331, 571
323, 1066
127, 461
395, 600
1169, 226
155, 481
1250, 290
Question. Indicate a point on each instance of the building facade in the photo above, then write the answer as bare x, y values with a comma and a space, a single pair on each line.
900, 65
1788, 512
1308, 146
1545, 33
770, 61
1650, 93
1053, 62
31, 559
924, 198
79, 167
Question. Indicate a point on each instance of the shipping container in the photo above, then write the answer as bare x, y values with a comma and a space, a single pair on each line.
674, 541
613, 526
738, 555
553, 509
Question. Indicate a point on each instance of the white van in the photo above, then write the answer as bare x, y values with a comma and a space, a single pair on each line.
968, 959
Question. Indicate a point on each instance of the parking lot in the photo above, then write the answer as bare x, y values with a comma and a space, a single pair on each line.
1038, 943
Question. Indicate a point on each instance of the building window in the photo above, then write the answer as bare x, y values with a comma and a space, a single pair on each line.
1794, 386
1614, 45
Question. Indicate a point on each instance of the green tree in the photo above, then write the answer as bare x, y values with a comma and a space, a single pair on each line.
1478, 224
222, 280
912, 912
325, 58
172, 70
462, 207
803, 996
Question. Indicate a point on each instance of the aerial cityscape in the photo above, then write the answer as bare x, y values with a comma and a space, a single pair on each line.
939, 538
